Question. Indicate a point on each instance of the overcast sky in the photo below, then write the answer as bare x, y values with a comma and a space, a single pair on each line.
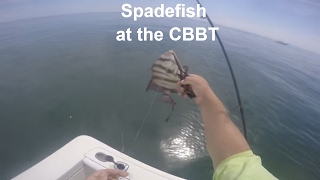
294, 21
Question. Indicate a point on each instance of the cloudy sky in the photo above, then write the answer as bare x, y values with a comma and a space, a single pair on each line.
294, 21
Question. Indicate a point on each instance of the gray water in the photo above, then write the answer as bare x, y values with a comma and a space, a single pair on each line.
64, 76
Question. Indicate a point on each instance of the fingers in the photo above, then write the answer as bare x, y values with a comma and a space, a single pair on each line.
99, 175
189, 79
184, 94
116, 172
182, 90
108, 174
112, 178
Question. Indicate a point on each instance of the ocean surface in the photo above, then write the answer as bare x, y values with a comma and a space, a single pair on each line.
65, 76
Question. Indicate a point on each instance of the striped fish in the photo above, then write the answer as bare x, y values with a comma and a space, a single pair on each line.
165, 76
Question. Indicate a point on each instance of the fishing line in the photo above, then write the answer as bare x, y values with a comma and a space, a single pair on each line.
122, 142
232, 74
144, 120
145, 117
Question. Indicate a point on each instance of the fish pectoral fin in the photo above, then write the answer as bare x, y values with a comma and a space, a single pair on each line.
166, 99
153, 86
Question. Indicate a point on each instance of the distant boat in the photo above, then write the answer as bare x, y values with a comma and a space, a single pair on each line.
281, 42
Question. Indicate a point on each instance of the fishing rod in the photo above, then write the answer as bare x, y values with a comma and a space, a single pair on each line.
232, 74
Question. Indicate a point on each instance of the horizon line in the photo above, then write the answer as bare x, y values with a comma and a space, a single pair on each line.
195, 19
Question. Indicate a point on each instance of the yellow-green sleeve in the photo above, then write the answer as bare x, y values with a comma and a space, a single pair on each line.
242, 166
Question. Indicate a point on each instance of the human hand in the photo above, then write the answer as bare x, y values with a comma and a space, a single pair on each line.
198, 85
108, 174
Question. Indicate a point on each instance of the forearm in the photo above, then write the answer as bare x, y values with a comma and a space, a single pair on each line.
223, 138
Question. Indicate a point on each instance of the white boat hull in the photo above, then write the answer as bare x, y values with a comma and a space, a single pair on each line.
77, 160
